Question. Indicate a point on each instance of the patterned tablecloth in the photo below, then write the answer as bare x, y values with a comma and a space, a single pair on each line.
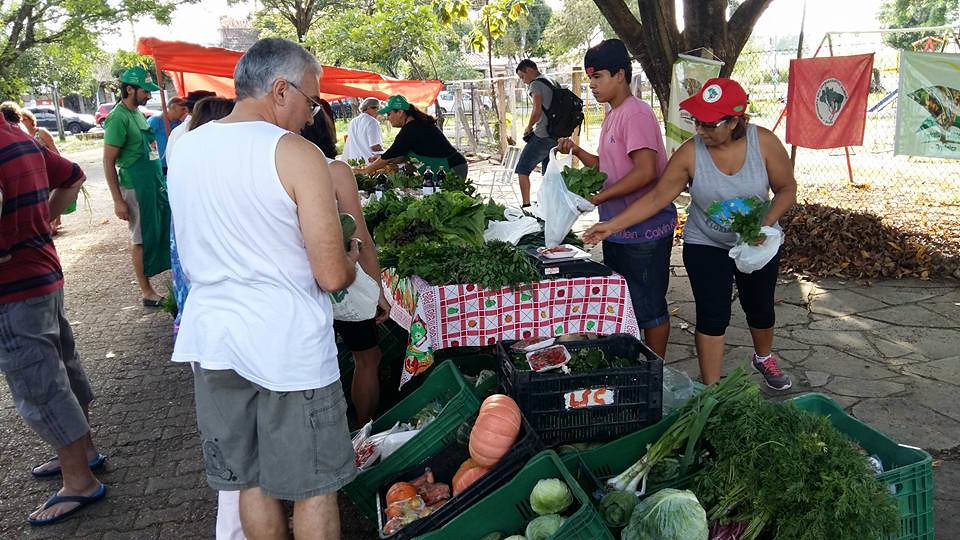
444, 316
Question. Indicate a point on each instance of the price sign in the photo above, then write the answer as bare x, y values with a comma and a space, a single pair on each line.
589, 397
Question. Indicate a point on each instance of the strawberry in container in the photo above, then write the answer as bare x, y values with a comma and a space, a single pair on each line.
553, 357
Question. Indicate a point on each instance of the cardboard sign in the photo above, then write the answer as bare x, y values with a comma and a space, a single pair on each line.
589, 397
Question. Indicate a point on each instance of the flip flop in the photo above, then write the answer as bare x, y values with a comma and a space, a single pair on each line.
95, 463
153, 303
56, 499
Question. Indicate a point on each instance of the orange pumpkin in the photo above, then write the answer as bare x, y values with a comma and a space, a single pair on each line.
400, 491
495, 430
467, 474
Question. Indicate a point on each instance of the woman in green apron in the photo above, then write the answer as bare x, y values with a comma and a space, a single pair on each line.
419, 138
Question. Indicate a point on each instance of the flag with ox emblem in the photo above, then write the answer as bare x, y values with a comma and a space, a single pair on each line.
827, 100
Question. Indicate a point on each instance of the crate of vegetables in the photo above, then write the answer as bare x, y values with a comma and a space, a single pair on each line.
440, 405
728, 442
579, 388
543, 500
428, 495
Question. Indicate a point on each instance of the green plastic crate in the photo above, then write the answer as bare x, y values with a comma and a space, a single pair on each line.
472, 364
508, 511
908, 469
460, 403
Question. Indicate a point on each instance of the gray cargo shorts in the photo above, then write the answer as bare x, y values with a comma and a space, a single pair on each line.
40, 363
292, 445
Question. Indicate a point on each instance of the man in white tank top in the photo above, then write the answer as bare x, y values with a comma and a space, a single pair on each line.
259, 239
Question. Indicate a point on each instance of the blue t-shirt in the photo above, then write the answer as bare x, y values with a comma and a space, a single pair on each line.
156, 124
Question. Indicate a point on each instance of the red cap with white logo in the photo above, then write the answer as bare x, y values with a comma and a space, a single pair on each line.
718, 99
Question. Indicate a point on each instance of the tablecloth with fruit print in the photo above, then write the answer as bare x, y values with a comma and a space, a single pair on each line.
444, 316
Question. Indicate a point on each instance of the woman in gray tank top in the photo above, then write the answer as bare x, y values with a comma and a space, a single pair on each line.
727, 158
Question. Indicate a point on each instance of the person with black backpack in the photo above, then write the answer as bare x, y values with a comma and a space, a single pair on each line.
557, 112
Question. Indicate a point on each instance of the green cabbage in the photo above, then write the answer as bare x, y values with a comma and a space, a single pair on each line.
617, 506
550, 496
669, 514
516, 537
544, 527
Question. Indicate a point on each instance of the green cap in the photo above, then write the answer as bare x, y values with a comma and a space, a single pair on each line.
137, 76
396, 103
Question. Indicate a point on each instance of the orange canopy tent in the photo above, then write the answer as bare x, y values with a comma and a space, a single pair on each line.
194, 67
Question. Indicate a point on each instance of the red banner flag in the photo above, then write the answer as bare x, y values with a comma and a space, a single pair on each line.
827, 100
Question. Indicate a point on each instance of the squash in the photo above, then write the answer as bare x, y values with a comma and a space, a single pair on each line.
401, 491
495, 430
467, 474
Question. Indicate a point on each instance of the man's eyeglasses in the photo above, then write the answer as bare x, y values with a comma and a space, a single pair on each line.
317, 107
709, 125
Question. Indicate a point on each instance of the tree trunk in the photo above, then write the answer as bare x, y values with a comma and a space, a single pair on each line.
656, 41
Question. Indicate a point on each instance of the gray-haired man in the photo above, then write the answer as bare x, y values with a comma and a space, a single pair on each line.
364, 139
260, 254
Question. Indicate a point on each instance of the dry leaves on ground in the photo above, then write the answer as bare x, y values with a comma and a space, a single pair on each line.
826, 241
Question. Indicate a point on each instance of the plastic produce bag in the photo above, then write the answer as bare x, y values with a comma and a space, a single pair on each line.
358, 302
511, 230
368, 448
677, 389
558, 207
392, 442
752, 258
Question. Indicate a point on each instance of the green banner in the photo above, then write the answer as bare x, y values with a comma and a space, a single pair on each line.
689, 74
928, 105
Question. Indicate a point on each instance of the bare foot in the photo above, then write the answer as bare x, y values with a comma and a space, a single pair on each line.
54, 463
41, 513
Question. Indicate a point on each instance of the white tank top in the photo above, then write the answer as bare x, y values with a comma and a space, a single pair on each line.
254, 305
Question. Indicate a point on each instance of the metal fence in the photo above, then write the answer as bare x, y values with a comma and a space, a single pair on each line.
916, 194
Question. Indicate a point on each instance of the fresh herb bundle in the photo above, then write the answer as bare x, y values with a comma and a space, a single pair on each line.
743, 216
453, 182
585, 182
781, 469
377, 212
491, 265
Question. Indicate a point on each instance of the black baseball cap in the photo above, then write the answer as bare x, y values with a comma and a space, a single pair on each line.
611, 55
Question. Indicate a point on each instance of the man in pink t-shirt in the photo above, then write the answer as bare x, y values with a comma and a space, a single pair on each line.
632, 154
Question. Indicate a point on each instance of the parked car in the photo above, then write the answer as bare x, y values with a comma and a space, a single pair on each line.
446, 100
72, 122
104, 110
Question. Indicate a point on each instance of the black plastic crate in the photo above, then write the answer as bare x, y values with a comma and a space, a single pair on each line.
637, 393
444, 465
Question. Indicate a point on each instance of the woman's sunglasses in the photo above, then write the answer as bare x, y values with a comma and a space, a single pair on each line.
709, 125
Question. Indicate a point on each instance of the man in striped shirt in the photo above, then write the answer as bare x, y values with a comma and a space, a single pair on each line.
37, 353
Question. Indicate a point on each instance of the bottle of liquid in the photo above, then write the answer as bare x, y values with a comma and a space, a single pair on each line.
381, 187
441, 178
428, 185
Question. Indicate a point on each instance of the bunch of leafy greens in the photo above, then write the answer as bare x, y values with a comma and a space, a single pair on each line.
491, 265
452, 218
585, 182
781, 469
743, 216
453, 182
375, 213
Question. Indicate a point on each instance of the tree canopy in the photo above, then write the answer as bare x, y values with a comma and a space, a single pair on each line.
653, 37
63, 32
914, 13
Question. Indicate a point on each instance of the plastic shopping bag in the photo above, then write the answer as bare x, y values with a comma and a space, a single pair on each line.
358, 302
559, 208
751, 258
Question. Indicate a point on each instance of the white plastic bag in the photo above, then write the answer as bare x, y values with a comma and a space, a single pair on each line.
751, 258
511, 230
558, 207
358, 302
677, 389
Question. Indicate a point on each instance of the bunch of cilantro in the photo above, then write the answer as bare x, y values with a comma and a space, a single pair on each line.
585, 182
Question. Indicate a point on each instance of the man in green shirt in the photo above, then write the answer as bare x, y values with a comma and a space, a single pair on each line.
133, 171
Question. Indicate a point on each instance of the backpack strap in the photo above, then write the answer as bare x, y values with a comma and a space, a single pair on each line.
553, 88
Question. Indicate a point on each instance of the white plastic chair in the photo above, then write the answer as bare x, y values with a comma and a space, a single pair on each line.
502, 177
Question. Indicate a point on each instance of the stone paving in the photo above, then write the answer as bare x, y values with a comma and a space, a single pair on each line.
888, 352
